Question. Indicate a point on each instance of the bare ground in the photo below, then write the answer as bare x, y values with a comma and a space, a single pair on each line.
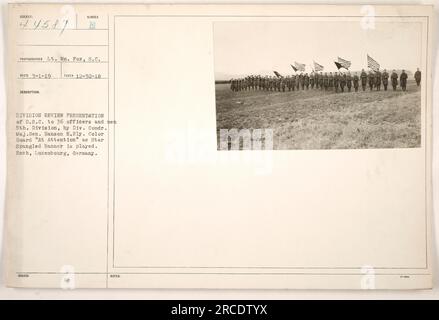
315, 119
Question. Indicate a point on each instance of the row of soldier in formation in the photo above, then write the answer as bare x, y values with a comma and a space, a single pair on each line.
336, 81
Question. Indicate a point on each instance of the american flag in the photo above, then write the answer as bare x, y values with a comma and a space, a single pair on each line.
371, 63
299, 66
344, 63
317, 67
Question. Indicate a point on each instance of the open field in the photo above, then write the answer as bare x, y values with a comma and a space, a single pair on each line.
316, 119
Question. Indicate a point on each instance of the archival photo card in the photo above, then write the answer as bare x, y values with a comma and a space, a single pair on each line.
219, 146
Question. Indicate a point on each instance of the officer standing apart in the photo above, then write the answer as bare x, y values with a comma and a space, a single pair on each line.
342, 81
418, 77
371, 77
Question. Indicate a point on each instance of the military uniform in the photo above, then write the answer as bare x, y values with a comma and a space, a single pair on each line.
311, 80
394, 78
306, 81
418, 77
363, 77
356, 81
331, 80
336, 82
317, 80
349, 81
371, 78
321, 81
342, 82
385, 79
403, 80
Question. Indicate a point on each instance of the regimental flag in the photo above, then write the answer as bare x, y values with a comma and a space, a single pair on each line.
318, 67
371, 63
278, 74
344, 63
338, 65
299, 66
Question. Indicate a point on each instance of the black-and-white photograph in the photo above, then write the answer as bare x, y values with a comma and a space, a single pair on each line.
318, 84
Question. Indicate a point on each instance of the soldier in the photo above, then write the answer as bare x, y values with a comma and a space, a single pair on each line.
321, 80
331, 80
293, 82
418, 77
297, 81
371, 78
311, 80
356, 80
325, 81
336, 81
306, 81
385, 79
342, 81
349, 81
403, 80
378, 80
363, 77
394, 78
317, 80
283, 83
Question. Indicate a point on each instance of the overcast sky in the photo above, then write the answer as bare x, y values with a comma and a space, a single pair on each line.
242, 48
